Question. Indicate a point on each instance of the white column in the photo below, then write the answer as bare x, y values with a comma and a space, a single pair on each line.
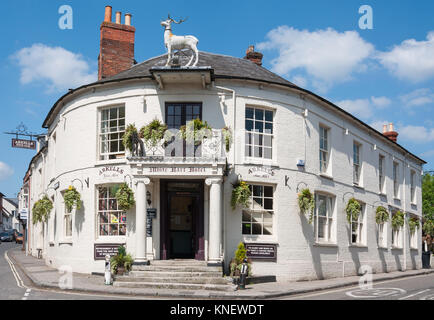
141, 221
215, 221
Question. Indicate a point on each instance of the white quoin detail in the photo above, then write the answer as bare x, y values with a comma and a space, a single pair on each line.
173, 42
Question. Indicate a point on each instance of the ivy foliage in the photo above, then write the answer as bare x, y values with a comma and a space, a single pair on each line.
241, 194
41, 210
153, 132
72, 199
195, 131
398, 220
306, 203
125, 197
413, 224
381, 215
127, 139
353, 210
227, 136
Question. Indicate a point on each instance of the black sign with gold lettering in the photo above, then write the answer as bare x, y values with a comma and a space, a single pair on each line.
261, 251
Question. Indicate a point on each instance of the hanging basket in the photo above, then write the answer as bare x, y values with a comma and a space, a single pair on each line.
153, 133
41, 210
381, 215
413, 224
72, 199
125, 197
398, 220
306, 203
353, 210
241, 194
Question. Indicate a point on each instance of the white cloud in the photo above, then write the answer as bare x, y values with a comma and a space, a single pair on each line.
364, 108
378, 125
299, 81
429, 153
5, 171
416, 134
328, 56
56, 67
381, 102
411, 60
417, 97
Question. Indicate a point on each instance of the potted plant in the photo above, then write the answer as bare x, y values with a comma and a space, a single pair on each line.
413, 224
127, 139
227, 136
153, 132
241, 194
41, 210
306, 203
353, 210
195, 131
237, 262
381, 215
125, 197
72, 199
397, 220
121, 262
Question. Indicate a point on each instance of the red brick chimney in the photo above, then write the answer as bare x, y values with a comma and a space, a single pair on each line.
117, 45
253, 56
390, 133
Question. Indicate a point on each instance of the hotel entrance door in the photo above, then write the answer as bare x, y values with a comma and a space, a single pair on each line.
182, 225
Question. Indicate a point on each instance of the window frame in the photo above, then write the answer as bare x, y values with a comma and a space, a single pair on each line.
357, 166
330, 219
108, 212
67, 214
252, 210
324, 164
249, 148
381, 171
395, 177
361, 227
412, 187
120, 154
382, 235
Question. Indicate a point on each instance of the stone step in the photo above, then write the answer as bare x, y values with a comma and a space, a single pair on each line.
185, 280
171, 285
171, 274
178, 262
175, 268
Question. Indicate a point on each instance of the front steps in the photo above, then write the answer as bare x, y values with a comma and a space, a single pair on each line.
176, 274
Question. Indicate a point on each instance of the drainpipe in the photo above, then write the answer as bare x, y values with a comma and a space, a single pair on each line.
404, 202
234, 159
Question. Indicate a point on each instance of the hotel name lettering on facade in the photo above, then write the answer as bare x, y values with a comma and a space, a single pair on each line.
108, 172
177, 170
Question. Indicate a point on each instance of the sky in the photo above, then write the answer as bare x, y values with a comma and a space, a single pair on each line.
381, 74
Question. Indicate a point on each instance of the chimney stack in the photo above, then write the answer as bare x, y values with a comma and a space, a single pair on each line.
255, 57
116, 46
390, 133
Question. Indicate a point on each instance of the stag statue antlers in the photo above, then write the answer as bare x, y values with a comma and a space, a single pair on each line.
173, 42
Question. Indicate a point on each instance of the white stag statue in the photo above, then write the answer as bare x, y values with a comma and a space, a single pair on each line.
173, 42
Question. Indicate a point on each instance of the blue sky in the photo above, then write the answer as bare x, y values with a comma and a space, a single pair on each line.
381, 75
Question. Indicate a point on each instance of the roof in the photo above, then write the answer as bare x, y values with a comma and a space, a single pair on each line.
225, 67
13, 201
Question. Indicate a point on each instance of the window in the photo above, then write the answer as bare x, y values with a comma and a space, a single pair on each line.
258, 220
111, 220
395, 180
323, 149
382, 235
67, 226
358, 228
381, 173
413, 239
259, 133
112, 129
324, 219
412, 187
396, 237
356, 163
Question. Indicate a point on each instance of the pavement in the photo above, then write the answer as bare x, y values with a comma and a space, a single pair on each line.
43, 276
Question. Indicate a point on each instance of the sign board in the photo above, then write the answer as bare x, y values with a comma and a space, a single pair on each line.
24, 214
148, 226
152, 213
101, 250
262, 251
23, 144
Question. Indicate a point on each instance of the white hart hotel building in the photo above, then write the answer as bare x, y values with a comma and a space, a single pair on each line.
285, 139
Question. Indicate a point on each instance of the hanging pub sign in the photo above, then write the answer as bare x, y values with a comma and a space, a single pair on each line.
261, 251
23, 144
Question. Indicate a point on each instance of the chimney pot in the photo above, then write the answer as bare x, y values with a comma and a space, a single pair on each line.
255, 57
391, 133
384, 128
118, 17
128, 19
108, 14
390, 127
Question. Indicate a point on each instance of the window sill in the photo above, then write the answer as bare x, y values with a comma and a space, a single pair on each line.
414, 249
325, 244
111, 239
355, 245
113, 161
397, 199
413, 204
355, 185
382, 248
326, 176
396, 248
66, 241
260, 239
382, 194
259, 161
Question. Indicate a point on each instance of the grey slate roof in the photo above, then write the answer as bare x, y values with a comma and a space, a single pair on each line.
224, 66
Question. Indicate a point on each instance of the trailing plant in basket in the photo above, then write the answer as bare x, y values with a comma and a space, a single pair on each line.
72, 198
381, 215
241, 194
237, 261
41, 210
227, 136
195, 131
413, 224
125, 197
153, 132
398, 220
127, 139
353, 210
306, 203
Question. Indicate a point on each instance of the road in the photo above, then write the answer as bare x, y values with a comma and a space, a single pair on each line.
16, 286
411, 288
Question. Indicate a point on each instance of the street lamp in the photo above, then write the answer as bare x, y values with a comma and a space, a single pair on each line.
148, 198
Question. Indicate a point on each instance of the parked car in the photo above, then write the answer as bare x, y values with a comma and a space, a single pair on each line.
19, 238
6, 236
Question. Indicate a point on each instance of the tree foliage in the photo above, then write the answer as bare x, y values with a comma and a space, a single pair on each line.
428, 203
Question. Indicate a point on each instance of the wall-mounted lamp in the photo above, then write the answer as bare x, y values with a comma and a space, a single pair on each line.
148, 198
